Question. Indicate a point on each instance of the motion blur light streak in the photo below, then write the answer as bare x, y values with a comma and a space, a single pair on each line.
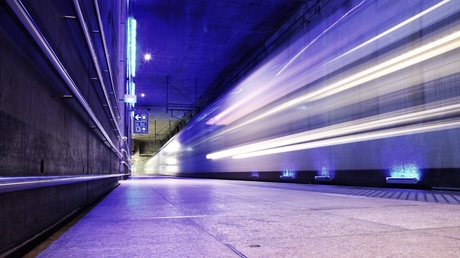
410, 115
414, 129
253, 100
320, 35
415, 56
369, 97
173, 146
266, 75
395, 28
449, 66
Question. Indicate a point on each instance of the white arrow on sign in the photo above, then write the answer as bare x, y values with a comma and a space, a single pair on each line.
137, 117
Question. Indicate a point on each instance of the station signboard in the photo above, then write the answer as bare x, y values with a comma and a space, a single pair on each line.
141, 123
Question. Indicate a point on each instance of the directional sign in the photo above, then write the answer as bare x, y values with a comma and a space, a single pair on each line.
141, 123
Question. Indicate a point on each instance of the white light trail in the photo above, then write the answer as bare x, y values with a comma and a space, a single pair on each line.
252, 100
410, 58
406, 130
398, 26
398, 118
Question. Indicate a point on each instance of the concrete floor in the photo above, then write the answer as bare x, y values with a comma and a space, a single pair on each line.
176, 217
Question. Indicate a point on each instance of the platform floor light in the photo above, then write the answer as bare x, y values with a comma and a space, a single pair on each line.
288, 174
323, 178
401, 180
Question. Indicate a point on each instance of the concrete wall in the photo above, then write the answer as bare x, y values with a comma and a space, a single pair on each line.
42, 132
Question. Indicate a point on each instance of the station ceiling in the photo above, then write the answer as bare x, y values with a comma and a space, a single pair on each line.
193, 46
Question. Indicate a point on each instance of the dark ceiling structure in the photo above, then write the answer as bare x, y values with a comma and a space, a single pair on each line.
194, 46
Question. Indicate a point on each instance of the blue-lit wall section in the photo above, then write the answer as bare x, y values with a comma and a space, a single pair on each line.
355, 100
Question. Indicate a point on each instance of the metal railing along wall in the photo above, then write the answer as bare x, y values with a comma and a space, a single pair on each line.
24, 17
95, 62
106, 52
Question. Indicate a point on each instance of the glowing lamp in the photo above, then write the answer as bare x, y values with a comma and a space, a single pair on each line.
147, 57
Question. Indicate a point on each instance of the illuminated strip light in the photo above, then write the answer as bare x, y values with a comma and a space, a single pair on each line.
422, 128
410, 58
356, 126
133, 89
132, 27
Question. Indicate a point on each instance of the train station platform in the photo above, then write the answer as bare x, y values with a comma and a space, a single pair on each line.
181, 217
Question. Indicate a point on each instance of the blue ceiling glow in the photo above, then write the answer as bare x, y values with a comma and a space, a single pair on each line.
406, 171
189, 40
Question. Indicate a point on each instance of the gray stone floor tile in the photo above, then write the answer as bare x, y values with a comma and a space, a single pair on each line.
386, 244
410, 217
177, 217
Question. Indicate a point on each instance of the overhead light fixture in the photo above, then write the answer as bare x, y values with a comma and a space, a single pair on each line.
147, 57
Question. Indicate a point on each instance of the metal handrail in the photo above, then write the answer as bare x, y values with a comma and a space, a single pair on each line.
13, 184
106, 52
95, 62
23, 15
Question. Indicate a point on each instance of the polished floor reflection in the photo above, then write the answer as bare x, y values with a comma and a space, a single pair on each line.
178, 217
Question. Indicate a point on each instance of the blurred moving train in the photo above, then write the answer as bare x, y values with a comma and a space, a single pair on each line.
369, 96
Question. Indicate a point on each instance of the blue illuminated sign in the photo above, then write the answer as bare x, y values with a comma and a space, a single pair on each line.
141, 123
